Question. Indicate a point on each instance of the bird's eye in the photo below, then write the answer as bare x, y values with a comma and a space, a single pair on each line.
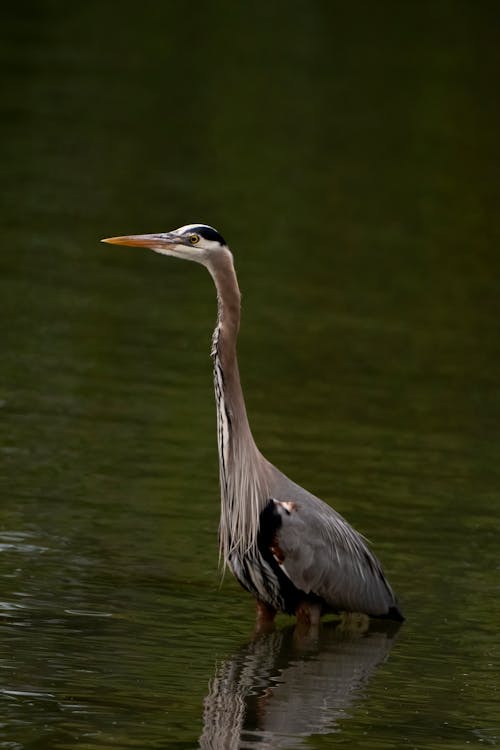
194, 239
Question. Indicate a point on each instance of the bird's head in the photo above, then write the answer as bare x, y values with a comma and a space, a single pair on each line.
197, 242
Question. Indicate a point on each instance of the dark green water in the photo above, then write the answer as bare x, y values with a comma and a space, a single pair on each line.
350, 155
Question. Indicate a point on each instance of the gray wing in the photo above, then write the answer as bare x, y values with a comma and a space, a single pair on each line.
321, 553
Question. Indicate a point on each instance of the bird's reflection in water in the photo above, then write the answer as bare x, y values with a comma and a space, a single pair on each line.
286, 685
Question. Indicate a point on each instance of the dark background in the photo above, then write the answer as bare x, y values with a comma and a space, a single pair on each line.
349, 154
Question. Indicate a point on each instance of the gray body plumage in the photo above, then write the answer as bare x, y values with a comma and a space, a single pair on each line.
286, 546
320, 553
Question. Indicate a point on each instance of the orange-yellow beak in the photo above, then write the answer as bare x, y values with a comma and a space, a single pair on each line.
145, 240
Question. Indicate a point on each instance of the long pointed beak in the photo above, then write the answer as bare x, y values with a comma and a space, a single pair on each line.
152, 241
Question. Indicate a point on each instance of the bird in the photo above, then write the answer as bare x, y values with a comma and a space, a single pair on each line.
283, 544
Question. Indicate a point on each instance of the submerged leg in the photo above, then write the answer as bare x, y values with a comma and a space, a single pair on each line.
306, 631
308, 613
265, 617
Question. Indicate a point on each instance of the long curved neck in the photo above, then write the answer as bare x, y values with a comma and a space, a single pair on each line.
229, 394
242, 467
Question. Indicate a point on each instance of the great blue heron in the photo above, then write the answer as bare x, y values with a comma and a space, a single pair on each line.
293, 552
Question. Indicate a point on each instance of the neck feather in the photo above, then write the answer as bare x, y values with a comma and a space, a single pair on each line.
242, 468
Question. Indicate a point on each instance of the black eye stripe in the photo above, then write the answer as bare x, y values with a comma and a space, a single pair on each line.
208, 233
